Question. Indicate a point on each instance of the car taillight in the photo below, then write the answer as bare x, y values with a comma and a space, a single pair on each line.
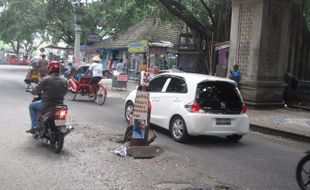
193, 107
61, 114
243, 110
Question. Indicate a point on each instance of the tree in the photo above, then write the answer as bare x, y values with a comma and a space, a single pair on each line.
21, 21
59, 22
305, 9
209, 22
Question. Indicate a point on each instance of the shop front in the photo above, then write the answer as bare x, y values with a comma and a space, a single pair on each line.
157, 56
114, 55
222, 53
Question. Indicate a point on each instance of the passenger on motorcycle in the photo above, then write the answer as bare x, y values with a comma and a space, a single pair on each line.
52, 90
96, 69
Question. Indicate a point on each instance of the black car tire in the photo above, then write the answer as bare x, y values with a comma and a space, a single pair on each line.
128, 108
178, 129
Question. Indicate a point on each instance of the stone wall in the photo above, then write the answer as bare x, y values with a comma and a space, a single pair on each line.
267, 40
259, 38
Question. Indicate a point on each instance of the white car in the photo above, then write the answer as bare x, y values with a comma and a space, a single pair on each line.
189, 104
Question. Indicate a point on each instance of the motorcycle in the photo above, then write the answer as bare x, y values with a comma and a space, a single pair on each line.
303, 172
52, 127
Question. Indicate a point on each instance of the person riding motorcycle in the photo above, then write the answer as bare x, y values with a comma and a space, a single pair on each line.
52, 90
96, 69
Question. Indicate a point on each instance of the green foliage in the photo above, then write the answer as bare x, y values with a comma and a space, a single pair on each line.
304, 5
306, 12
20, 21
59, 22
119, 15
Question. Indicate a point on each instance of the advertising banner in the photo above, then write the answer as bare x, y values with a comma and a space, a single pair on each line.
137, 46
140, 113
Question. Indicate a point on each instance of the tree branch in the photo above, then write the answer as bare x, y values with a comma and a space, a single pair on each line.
209, 12
182, 13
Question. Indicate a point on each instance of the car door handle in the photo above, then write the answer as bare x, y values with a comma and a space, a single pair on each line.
155, 99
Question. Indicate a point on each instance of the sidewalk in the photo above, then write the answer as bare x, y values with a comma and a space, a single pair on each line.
285, 122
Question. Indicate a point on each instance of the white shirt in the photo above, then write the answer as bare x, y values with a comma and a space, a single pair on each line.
96, 69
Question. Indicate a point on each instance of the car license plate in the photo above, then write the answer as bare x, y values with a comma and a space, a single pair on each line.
223, 121
60, 122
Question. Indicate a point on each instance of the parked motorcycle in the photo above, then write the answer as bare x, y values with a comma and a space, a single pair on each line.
52, 127
303, 172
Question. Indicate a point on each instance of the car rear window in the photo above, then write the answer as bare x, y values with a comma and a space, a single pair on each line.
219, 97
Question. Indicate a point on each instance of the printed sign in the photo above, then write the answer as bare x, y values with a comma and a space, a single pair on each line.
137, 46
122, 77
139, 126
141, 105
140, 115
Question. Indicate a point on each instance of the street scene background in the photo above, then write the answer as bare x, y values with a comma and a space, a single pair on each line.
257, 162
254, 53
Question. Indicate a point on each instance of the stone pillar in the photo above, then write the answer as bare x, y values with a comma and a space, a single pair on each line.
259, 44
77, 55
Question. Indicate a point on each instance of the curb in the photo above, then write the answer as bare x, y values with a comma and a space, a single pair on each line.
276, 132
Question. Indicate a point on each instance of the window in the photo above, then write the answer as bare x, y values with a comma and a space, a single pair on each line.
177, 85
219, 97
156, 85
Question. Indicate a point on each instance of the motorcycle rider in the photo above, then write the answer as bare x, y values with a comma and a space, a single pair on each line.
52, 88
96, 69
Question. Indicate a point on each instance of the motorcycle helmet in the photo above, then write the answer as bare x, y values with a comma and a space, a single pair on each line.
96, 59
53, 67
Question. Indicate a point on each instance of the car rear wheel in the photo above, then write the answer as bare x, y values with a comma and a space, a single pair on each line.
234, 138
178, 129
128, 110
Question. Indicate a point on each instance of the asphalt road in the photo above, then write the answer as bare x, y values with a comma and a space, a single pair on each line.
257, 162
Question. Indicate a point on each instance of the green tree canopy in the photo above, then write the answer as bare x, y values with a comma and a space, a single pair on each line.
20, 23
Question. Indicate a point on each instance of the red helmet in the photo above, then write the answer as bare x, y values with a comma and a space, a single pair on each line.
53, 67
